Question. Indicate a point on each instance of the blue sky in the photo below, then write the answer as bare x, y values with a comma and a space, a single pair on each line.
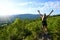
10, 7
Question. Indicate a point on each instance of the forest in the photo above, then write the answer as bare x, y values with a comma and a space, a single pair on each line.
30, 29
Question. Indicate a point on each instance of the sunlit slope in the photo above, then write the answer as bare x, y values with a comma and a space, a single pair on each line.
30, 29
53, 26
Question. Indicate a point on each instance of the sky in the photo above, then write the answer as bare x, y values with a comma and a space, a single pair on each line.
11, 7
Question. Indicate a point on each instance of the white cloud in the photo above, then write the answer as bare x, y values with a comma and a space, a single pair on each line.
7, 7
24, 3
46, 7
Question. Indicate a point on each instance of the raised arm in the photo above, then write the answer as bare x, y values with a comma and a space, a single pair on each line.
39, 13
50, 13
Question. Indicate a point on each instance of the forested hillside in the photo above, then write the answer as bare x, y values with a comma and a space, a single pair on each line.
30, 29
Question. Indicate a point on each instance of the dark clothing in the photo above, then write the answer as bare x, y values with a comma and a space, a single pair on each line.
44, 22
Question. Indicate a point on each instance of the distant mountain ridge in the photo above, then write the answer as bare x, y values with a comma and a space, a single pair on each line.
9, 19
5, 20
28, 16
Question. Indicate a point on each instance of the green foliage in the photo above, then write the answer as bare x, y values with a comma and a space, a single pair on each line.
30, 29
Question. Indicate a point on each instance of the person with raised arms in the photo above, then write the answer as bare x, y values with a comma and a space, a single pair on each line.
44, 21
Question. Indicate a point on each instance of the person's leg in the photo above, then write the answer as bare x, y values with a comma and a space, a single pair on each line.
44, 30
